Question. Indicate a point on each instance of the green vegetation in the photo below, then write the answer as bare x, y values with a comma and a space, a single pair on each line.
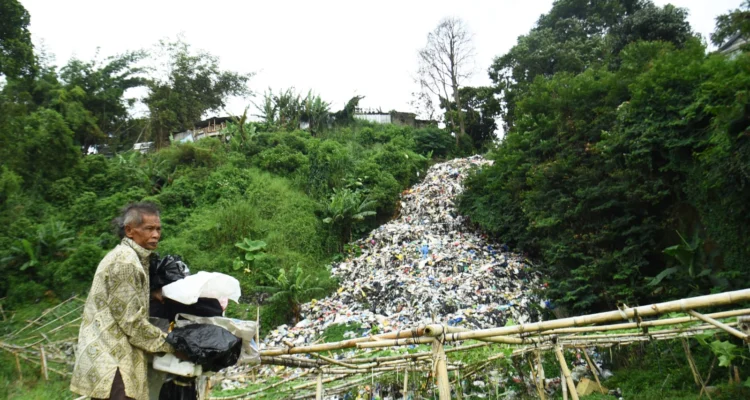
624, 166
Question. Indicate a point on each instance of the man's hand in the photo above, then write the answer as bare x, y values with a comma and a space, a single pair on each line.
157, 295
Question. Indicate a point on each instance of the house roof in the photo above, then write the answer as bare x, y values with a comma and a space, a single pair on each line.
732, 42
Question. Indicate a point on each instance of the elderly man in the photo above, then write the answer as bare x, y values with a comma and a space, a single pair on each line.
115, 333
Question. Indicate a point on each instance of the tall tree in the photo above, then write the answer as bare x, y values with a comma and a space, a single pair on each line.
102, 86
445, 62
577, 35
192, 85
736, 22
16, 49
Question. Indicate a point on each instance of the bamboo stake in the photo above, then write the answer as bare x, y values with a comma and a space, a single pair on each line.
43, 359
564, 385
535, 378
18, 366
460, 388
406, 383
540, 372
566, 372
594, 369
721, 325
693, 368
708, 377
319, 388
441, 370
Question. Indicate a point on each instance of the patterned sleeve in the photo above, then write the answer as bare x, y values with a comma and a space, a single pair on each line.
126, 285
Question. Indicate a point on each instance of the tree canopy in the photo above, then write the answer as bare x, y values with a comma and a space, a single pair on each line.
621, 169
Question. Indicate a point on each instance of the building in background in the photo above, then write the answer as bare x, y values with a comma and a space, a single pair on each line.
392, 117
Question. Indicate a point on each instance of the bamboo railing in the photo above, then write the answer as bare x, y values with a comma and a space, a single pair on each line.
39, 342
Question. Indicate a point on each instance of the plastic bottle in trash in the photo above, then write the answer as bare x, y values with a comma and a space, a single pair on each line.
425, 250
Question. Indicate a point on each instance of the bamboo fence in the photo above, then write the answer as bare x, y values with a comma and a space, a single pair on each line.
621, 327
43, 341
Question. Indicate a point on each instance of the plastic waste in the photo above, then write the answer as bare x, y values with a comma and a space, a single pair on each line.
168, 309
245, 330
173, 365
213, 285
210, 346
166, 270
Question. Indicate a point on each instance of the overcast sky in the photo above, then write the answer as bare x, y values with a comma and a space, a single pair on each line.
336, 48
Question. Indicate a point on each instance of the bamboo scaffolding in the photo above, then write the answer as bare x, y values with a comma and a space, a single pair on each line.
641, 334
647, 324
642, 311
720, 325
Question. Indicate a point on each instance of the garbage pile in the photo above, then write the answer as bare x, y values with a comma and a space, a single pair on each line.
426, 266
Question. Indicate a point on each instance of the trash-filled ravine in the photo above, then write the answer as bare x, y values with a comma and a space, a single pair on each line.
428, 265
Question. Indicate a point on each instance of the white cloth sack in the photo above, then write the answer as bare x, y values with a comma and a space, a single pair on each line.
213, 285
244, 330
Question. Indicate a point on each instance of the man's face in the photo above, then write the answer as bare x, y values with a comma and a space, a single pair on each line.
147, 235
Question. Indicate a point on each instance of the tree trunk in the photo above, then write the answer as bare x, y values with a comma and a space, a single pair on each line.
458, 109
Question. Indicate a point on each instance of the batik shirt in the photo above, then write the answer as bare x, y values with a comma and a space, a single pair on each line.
115, 332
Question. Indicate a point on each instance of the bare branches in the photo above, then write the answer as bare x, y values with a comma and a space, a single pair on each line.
444, 63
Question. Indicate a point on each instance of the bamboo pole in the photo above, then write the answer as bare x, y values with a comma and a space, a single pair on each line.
720, 325
291, 362
319, 387
411, 333
564, 385
540, 372
708, 377
566, 372
18, 366
647, 324
43, 362
460, 388
441, 370
641, 334
395, 342
694, 368
406, 383
594, 370
535, 379
642, 311
342, 364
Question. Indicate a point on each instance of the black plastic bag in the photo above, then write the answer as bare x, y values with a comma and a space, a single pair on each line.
204, 307
166, 270
211, 346
179, 389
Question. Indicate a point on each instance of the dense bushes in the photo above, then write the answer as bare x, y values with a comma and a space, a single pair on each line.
628, 184
274, 187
